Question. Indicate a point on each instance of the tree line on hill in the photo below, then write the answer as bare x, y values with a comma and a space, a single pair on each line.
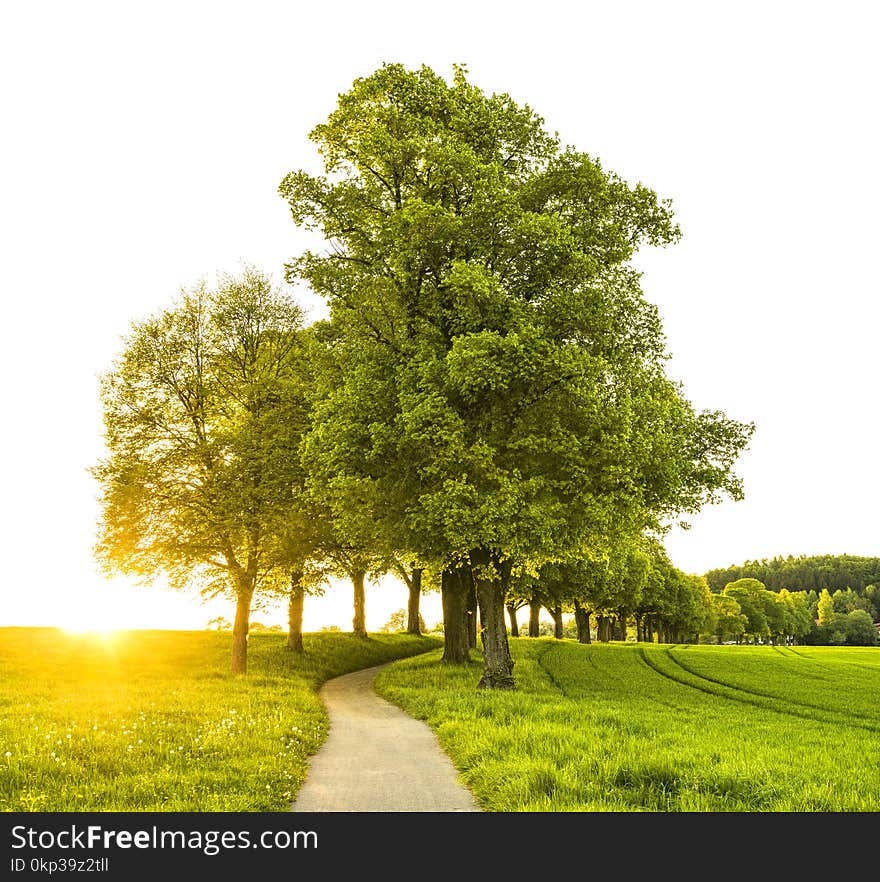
485, 410
804, 573
841, 592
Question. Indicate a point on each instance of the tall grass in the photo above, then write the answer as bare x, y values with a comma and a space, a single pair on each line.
153, 721
613, 727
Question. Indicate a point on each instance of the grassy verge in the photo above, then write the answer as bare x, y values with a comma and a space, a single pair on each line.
658, 728
153, 721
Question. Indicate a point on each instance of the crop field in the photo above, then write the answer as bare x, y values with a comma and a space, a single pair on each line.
623, 727
153, 721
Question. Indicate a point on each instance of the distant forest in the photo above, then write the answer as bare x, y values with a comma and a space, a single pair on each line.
834, 572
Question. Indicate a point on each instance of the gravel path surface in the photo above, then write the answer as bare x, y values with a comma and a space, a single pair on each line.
377, 758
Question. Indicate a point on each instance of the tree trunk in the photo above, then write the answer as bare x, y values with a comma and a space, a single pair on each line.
582, 622
455, 624
621, 624
556, 614
415, 594
511, 614
534, 618
240, 631
471, 604
359, 623
497, 663
295, 613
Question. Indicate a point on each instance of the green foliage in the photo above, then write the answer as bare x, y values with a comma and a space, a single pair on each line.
854, 628
730, 623
204, 412
495, 379
750, 595
152, 721
860, 629
201, 435
834, 572
742, 729
826, 612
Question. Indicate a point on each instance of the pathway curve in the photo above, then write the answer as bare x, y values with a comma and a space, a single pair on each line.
377, 758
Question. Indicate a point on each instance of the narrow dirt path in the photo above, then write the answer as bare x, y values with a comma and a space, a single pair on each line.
377, 758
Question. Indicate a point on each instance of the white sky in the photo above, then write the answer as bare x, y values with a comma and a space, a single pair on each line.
142, 146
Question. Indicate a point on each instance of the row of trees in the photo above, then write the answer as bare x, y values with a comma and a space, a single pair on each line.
485, 408
844, 618
654, 600
841, 592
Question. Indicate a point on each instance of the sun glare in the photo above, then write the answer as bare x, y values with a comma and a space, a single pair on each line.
93, 621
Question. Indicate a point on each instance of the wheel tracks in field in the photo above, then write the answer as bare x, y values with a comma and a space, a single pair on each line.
824, 664
764, 700
556, 684
773, 696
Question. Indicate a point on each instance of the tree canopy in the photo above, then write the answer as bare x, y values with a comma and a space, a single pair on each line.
803, 573
203, 416
496, 388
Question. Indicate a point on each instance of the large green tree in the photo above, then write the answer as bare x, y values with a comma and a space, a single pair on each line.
202, 435
499, 393
750, 595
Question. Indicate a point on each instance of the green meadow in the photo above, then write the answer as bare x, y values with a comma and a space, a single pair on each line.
628, 727
153, 720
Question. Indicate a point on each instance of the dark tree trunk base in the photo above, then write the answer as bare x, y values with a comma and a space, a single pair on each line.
582, 621
240, 632
514, 625
556, 614
497, 679
415, 594
497, 663
470, 593
455, 624
534, 618
295, 615
359, 626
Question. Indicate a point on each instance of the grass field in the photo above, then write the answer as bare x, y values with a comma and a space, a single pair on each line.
153, 721
614, 727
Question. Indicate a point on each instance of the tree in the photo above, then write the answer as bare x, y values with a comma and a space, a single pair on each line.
307, 577
825, 611
860, 630
412, 578
804, 573
799, 617
197, 475
748, 593
729, 620
500, 394
398, 622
